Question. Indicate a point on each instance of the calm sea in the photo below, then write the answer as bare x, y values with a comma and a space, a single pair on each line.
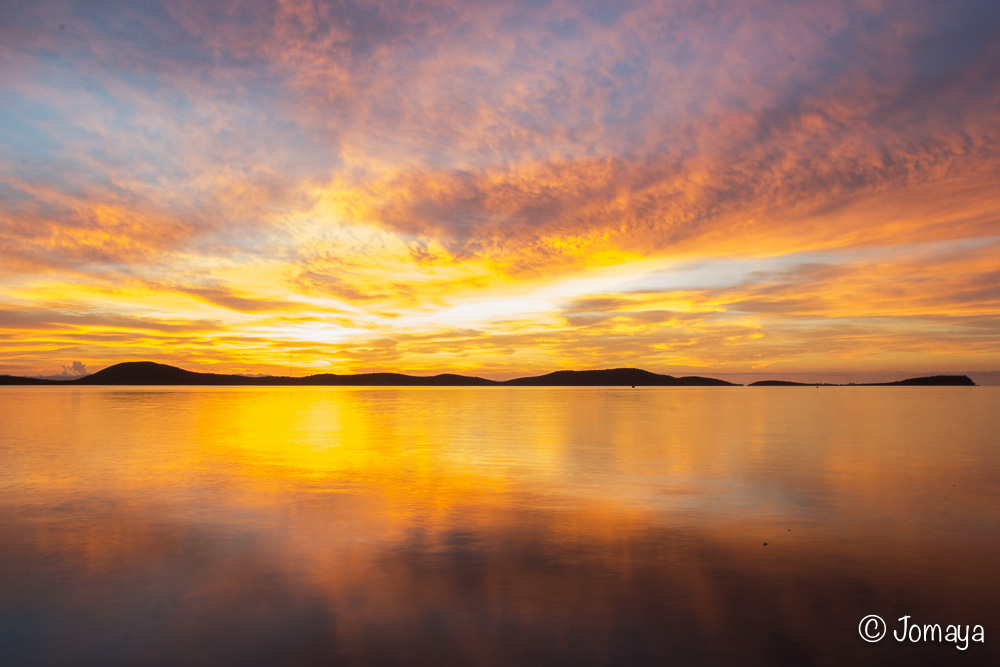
497, 526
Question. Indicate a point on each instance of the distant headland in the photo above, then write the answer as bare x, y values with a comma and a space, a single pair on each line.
149, 373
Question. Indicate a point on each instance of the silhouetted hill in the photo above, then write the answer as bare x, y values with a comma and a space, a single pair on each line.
152, 373
930, 381
615, 377
934, 381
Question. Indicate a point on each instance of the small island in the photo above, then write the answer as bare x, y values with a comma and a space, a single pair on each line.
929, 381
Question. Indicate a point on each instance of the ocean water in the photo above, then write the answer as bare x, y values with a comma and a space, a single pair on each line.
498, 526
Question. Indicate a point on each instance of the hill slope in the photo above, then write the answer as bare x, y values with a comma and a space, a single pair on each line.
152, 373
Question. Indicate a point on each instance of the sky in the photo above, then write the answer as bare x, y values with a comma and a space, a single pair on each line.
753, 189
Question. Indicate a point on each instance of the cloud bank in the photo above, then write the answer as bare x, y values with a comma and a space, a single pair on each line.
500, 188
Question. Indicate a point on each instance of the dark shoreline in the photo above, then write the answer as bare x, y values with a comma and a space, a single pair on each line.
148, 373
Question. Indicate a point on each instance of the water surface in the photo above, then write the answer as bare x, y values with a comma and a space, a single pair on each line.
495, 526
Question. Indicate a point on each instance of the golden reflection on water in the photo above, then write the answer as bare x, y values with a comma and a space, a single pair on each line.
492, 526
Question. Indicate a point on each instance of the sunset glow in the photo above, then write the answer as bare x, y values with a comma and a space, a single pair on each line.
501, 189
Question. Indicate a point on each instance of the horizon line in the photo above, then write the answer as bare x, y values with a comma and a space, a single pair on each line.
151, 372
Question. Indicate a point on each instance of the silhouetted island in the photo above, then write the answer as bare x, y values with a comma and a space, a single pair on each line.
929, 381
617, 377
149, 373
